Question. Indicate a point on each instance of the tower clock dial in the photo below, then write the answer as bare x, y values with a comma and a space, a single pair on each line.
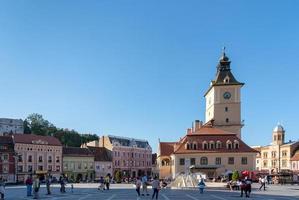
227, 95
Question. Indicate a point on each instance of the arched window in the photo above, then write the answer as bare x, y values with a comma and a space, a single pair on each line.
212, 144
194, 145
218, 145
236, 144
204, 145
229, 144
203, 160
188, 146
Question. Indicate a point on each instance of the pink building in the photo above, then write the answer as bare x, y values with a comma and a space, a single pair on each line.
37, 154
7, 159
133, 157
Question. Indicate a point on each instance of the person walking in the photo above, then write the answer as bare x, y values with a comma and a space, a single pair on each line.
48, 183
29, 183
248, 183
144, 185
242, 187
36, 186
201, 186
62, 184
263, 183
138, 186
156, 187
2, 188
107, 181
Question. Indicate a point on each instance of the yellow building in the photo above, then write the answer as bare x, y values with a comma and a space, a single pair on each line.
214, 148
78, 164
276, 157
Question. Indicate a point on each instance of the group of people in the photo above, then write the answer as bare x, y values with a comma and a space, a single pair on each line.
33, 185
156, 186
105, 182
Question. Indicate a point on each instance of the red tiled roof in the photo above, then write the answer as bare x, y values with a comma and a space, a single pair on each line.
36, 139
207, 130
77, 151
6, 140
166, 148
101, 154
205, 133
295, 157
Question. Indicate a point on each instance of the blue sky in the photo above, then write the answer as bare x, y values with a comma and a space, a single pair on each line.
141, 68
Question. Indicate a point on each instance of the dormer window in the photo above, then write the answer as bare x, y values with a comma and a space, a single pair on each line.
212, 145
204, 145
194, 145
229, 144
218, 145
187, 146
236, 144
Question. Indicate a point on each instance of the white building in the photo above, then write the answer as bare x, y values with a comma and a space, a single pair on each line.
11, 126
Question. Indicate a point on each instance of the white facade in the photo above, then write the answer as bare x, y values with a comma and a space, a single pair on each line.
11, 126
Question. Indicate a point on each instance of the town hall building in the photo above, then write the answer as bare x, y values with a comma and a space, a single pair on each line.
214, 147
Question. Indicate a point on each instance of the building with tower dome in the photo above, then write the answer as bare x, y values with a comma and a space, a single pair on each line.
276, 157
214, 147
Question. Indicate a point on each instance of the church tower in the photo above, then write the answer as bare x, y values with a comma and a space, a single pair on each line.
223, 99
278, 135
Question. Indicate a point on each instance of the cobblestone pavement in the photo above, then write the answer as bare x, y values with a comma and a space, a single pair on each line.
127, 192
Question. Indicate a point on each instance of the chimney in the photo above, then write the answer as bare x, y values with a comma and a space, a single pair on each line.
189, 131
198, 125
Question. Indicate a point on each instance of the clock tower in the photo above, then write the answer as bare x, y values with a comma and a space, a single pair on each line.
223, 99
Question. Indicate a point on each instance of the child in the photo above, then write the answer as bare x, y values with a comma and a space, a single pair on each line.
201, 186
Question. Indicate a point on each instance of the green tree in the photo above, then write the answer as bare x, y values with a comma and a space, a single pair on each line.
235, 176
38, 125
27, 129
118, 176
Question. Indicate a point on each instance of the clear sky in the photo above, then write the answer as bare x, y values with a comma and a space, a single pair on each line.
140, 68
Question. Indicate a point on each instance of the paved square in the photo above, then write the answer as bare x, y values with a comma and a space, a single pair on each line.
127, 192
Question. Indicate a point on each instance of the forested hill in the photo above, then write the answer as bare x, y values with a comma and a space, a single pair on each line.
36, 124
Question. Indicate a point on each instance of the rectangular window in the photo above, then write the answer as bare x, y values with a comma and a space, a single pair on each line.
192, 161
40, 159
57, 168
20, 168
265, 163
265, 155
284, 163
218, 161
57, 159
40, 167
5, 168
231, 160
5, 157
20, 158
244, 160
50, 168
29, 168
182, 161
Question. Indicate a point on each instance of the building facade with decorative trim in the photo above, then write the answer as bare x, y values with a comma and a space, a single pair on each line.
37, 155
133, 157
78, 164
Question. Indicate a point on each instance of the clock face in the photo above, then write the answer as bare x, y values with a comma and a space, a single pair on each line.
227, 95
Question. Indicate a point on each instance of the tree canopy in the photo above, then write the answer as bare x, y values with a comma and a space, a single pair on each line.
36, 124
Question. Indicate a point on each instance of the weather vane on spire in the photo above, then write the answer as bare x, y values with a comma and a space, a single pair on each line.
223, 50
